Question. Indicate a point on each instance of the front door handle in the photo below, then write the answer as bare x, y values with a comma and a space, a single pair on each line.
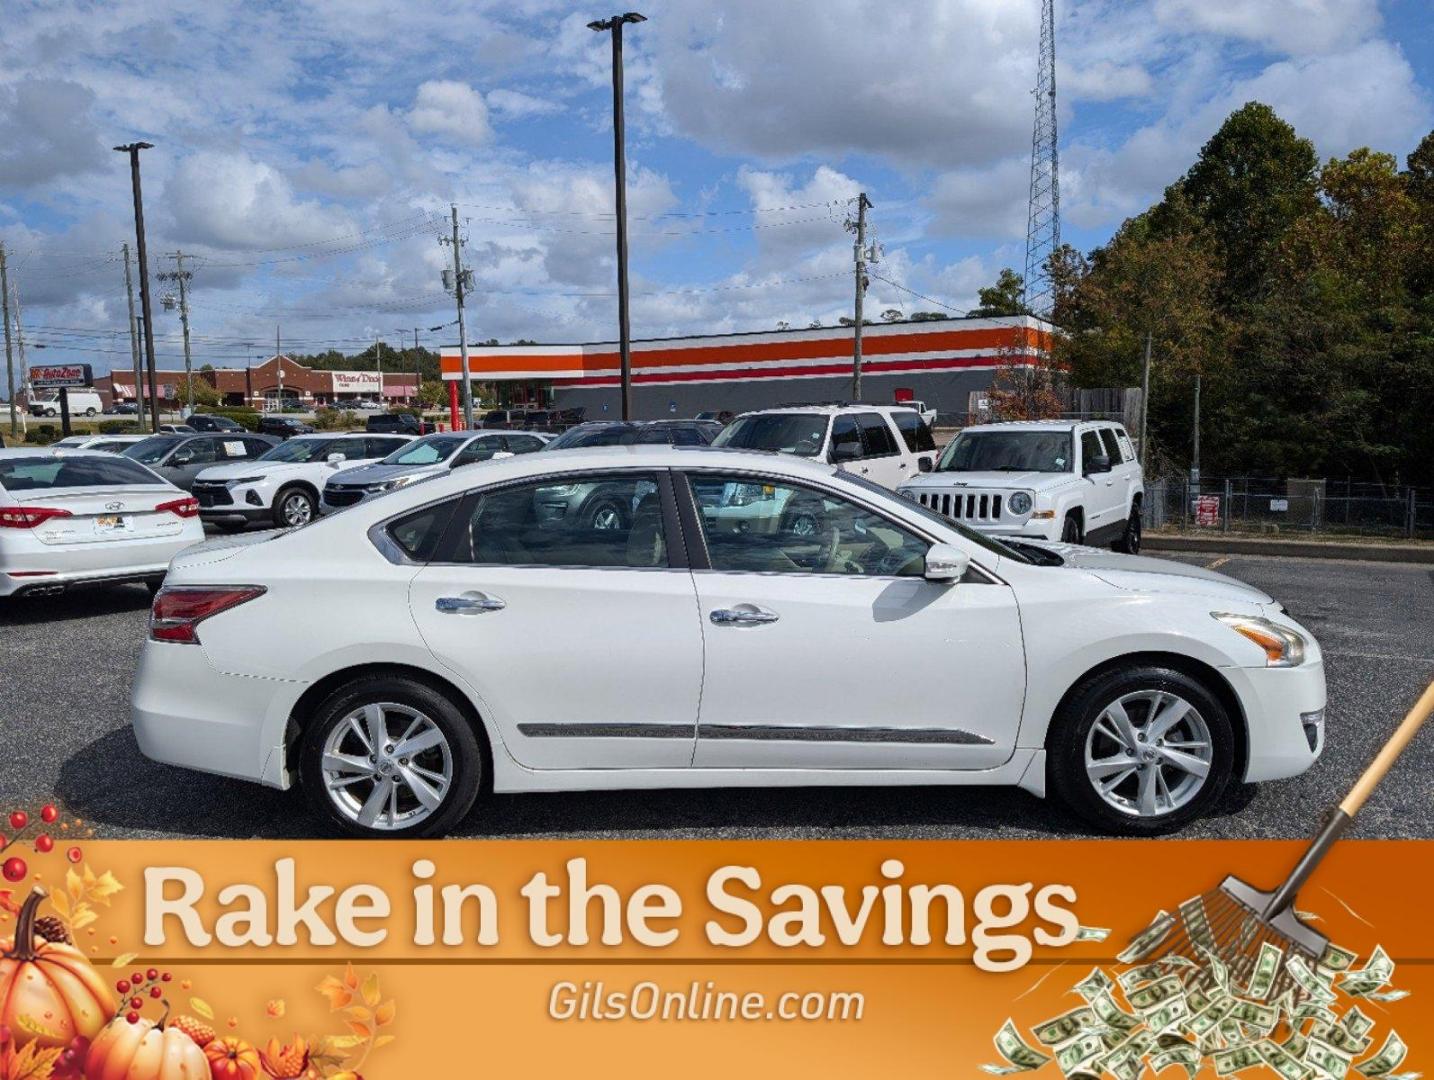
468, 604
745, 615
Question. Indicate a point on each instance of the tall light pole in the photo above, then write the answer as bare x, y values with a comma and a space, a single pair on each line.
619, 166
181, 276
133, 149
9, 357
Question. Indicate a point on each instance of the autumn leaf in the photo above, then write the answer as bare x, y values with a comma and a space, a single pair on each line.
7, 902
384, 1014
276, 1008
202, 1007
74, 885
371, 993
383, 1040
359, 1013
61, 903
351, 979
363, 1031
337, 993
31, 1062
123, 959
103, 888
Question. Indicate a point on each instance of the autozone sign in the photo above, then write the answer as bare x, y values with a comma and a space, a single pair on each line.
54, 375
357, 382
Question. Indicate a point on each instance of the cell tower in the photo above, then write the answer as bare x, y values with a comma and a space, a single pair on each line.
1043, 215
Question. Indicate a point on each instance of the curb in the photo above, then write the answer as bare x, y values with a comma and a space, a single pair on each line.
1304, 549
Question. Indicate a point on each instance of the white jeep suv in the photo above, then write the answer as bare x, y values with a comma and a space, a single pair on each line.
886, 444
283, 486
1072, 480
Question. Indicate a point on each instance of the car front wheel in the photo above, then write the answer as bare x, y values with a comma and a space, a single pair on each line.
293, 507
390, 757
1071, 532
1140, 750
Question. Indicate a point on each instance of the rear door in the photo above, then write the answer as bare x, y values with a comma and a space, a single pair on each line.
581, 640
190, 459
1122, 469
915, 433
1102, 501
882, 460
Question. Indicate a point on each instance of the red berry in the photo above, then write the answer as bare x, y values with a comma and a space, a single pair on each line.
165, 977
137, 978
4, 841
19, 819
122, 986
152, 974
155, 991
132, 1017
74, 854
48, 813
136, 1003
14, 869
44, 844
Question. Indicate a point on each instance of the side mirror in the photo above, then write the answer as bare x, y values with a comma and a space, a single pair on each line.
946, 564
1098, 464
844, 452
182, 457
501, 454
925, 464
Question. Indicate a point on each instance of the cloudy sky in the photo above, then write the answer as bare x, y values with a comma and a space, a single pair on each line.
306, 151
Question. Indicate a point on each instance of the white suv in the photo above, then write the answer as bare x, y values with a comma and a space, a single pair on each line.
887, 444
282, 486
1075, 481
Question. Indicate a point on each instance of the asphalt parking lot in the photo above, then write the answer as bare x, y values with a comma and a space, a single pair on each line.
65, 666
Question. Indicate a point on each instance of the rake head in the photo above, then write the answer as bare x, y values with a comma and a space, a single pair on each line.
1231, 924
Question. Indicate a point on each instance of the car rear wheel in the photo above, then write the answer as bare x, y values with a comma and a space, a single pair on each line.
1071, 532
1129, 541
390, 757
605, 513
1140, 750
293, 507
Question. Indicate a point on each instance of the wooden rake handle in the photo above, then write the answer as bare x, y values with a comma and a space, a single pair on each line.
1384, 761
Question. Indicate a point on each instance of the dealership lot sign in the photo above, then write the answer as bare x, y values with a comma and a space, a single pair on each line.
61, 375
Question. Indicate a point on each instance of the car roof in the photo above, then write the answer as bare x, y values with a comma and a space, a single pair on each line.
52, 451
1041, 425
831, 408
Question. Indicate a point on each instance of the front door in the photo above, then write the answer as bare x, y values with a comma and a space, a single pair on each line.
1103, 504
563, 606
826, 648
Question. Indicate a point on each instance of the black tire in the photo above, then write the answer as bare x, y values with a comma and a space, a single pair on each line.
287, 500
804, 519
1071, 531
465, 749
1129, 541
1070, 730
89, 412
605, 512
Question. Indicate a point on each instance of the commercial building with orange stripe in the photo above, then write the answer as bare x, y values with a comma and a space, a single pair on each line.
941, 362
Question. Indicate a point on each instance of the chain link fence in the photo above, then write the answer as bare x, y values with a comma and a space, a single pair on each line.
1291, 507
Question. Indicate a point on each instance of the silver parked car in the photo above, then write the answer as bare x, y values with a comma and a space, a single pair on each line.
423, 459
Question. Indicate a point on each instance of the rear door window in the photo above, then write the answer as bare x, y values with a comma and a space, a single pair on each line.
382, 447
876, 435
1112, 447
914, 431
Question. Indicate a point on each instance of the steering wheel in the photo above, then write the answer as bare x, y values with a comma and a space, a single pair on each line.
827, 559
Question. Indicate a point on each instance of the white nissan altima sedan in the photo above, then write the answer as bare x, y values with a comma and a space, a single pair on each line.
731, 619
82, 517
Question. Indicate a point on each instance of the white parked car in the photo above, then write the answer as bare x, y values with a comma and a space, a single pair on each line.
109, 443
472, 631
887, 444
77, 517
1075, 481
424, 459
283, 486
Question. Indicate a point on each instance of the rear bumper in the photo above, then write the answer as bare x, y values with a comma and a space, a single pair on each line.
235, 514
188, 714
28, 567
1284, 718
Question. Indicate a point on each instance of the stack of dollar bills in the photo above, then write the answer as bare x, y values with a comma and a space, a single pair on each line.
1193, 1012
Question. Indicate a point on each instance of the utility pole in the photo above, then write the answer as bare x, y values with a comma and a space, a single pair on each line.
417, 371
134, 341
1195, 445
20, 342
1145, 399
279, 365
461, 277
9, 359
133, 149
859, 251
180, 275
619, 168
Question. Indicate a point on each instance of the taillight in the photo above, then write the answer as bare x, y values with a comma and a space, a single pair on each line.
186, 507
27, 517
178, 611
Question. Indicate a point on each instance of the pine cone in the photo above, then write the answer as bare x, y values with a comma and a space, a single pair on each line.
52, 929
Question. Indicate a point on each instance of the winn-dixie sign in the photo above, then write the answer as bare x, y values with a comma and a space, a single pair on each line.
357, 382
56, 375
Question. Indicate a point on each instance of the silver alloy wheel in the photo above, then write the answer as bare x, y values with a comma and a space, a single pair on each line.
1148, 753
804, 524
387, 766
607, 517
296, 509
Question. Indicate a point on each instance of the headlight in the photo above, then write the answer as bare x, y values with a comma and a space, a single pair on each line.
243, 480
1283, 646
561, 491
907, 493
1020, 503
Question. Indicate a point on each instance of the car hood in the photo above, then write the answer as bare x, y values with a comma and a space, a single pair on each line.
377, 473
253, 468
1031, 480
1137, 573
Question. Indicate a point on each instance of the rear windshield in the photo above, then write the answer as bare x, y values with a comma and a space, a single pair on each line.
153, 450
791, 433
45, 473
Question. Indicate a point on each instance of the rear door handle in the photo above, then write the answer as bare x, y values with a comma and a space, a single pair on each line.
468, 604
745, 615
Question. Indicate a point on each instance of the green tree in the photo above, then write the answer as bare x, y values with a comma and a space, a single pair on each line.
1003, 298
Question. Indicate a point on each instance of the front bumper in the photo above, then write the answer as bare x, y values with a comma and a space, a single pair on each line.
1284, 718
188, 714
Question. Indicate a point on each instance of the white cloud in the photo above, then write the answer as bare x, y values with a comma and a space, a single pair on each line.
1289, 26
515, 105
794, 219
989, 201
1104, 81
229, 200
47, 131
447, 108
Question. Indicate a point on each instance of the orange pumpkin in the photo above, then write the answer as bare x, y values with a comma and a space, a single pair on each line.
231, 1058
49, 993
144, 1051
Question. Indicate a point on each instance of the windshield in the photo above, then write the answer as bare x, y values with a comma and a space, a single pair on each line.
802, 434
1008, 451
426, 451
153, 450
298, 450
979, 539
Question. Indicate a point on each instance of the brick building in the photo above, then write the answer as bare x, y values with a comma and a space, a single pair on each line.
263, 385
